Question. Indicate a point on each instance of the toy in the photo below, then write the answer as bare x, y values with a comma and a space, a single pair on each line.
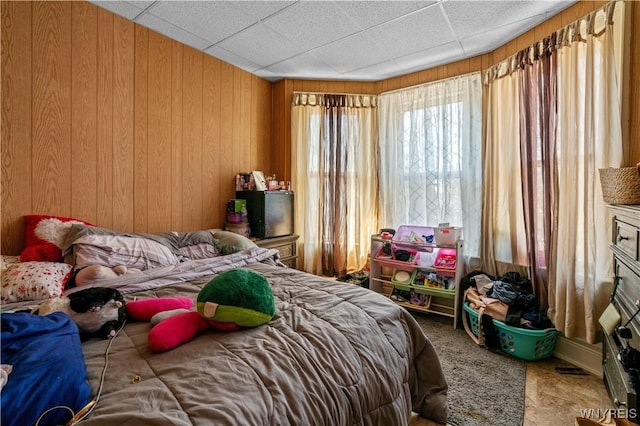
233, 300
145, 309
99, 272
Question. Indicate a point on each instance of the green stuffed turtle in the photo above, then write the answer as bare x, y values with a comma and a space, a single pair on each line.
235, 299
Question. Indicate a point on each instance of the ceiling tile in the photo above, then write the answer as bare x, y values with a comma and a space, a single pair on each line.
125, 9
375, 72
303, 65
492, 39
232, 58
372, 13
211, 20
261, 45
445, 53
353, 52
310, 24
170, 30
472, 17
261, 9
412, 33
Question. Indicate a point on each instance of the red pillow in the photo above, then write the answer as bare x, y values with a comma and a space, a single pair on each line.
43, 236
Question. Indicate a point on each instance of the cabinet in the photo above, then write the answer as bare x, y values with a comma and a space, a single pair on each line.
384, 277
625, 249
286, 245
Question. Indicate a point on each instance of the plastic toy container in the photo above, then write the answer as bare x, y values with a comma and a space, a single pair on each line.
529, 345
391, 261
408, 236
445, 262
447, 236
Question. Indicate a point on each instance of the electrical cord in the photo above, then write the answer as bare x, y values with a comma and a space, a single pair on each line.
87, 409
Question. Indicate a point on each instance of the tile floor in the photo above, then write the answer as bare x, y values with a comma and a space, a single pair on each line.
552, 398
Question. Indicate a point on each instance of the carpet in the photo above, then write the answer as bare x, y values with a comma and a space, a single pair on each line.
485, 388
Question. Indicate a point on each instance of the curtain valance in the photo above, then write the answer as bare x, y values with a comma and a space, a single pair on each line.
334, 100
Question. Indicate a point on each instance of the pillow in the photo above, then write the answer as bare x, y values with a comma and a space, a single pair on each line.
199, 251
116, 250
232, 242
44, 236
34, 281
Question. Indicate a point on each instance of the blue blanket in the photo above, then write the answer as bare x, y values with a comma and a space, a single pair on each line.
48, 369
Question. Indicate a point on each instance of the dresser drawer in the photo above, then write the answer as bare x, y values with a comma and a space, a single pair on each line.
286, 250
615, 378
625, 238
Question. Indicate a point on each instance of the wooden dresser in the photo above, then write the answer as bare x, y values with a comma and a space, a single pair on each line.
286, 245
625, 248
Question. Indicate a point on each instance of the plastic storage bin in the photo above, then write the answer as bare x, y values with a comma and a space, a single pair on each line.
447, 236
529, 345
391, 262
412, 236
445, 262
402, 277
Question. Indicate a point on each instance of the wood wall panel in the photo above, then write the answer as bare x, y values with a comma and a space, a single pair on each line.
159, 134
51, 106
130, 130
104, 119
177, 174
141, 126
192, 199
211, 144
84, 136
15, 141
123, 106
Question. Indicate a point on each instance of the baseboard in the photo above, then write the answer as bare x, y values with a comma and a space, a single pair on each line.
581, 354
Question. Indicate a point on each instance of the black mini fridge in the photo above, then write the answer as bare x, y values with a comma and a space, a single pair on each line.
270, 213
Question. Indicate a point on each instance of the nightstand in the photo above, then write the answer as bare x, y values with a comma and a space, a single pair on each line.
285, 245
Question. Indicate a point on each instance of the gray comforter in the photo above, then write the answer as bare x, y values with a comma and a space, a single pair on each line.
334, 354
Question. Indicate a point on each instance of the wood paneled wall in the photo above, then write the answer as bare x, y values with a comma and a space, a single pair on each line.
107, 121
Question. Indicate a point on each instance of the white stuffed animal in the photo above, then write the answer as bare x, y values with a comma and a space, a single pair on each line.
98, 272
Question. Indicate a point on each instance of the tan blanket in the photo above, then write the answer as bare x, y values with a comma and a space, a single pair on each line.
334, 354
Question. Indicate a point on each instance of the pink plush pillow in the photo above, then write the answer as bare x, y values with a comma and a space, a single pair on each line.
34, 281
43, 236
144, 309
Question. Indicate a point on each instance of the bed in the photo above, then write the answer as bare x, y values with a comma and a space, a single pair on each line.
334, 353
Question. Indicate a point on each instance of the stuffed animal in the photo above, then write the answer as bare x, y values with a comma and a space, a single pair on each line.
233, 300
97, 311
98, 272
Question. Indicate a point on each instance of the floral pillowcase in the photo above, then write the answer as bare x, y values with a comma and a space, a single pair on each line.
26, 281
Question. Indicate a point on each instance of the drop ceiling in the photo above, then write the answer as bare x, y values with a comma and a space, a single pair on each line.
339, 40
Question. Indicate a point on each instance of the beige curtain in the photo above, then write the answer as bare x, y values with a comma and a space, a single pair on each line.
588, 137
334, 169
504, 245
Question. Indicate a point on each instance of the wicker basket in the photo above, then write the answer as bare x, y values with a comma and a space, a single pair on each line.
620, 186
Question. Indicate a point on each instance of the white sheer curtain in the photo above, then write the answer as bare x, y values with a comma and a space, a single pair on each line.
334, 159
430, 156
503, 241
588, 137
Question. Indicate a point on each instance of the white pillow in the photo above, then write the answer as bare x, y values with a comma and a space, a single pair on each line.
34, 280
